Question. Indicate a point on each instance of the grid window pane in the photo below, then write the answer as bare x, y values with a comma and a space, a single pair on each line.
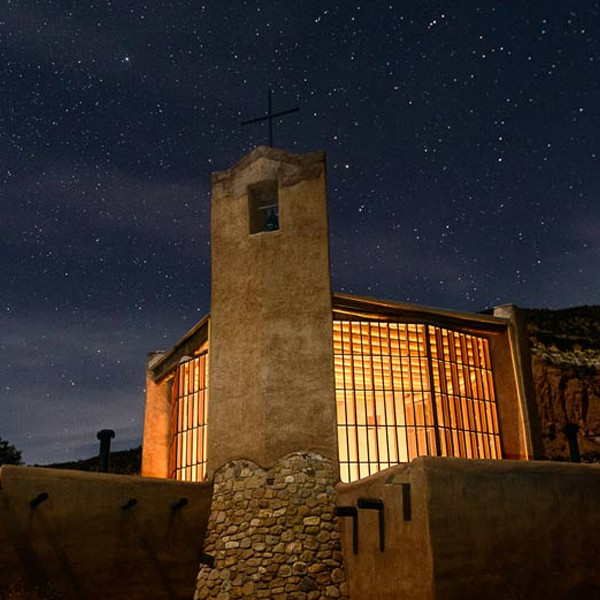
188, 439
408, 390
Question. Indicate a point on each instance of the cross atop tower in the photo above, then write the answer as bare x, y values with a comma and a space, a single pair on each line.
270, 116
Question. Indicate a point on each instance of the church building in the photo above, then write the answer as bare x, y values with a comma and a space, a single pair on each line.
283, 364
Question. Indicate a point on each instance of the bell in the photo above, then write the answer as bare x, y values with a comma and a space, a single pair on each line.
272, 223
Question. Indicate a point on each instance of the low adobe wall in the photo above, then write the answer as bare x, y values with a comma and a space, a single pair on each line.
478, 530
80, 544
404, 569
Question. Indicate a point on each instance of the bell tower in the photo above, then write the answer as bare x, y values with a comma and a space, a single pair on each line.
271, 383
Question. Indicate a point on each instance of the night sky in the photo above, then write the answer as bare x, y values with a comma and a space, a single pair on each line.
463, 149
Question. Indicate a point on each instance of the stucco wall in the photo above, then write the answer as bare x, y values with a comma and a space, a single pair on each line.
157, 426
514, 529
82, 545
271, 358
479, 530
517, 409
404, 569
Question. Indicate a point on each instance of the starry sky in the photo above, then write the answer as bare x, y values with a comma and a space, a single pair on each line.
463, 149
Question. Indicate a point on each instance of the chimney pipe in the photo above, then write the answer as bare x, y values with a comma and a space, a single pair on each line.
104, 435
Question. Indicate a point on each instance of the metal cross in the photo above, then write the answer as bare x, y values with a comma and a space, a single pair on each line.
270, 116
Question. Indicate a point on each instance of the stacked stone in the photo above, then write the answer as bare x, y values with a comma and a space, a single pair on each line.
273, 533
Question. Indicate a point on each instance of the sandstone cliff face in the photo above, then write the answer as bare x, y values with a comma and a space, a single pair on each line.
565, 360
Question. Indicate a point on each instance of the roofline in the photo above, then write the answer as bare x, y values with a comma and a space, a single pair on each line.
277, 154
356, 304
157, 364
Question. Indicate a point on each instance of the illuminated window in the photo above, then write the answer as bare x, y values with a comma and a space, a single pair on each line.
408, 390
188, 420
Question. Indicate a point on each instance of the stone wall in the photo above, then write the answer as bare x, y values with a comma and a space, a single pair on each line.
273, 533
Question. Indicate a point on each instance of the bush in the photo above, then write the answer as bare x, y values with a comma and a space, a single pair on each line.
9, 455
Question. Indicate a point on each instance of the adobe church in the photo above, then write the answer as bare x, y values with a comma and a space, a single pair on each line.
339, 431
281, 364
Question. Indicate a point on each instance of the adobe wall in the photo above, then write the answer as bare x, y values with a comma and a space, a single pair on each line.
80, 544
271, 357
273, 534
480, 530
514, 529
517, 409
510, 411
157, 424
404, 569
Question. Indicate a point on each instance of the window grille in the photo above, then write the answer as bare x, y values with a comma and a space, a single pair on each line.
407, 390
188, 420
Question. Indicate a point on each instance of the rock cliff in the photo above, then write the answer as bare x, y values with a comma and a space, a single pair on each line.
565, 356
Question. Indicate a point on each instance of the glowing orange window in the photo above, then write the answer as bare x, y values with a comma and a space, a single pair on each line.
407, 389
188, 420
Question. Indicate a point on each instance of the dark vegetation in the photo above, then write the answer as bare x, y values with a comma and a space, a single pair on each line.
566, 329
9, 455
